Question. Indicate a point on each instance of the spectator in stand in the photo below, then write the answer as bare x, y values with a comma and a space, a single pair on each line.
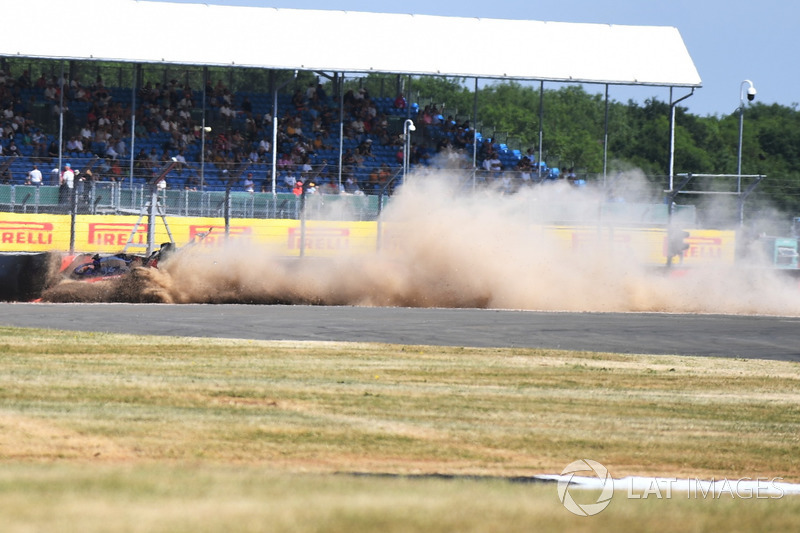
297, 189
101, 94
39, 141
294, 127
524, 170
121, 147
226, 111
34, 176
187, 101
249, 185
192, 183
254, 156
298, 100
51, 92
263, 148
364, 149
74, 145
400, 102
140, 161
349, 159
305, 165
356, 127
284, 162
41, 83
419, 154
246, 106
180, 160
8, 111
52, 151
351, 186
24, 81
85, 135
289, 179
492, 163
111, 151
319, 143
12, 149
153, 159
80, 94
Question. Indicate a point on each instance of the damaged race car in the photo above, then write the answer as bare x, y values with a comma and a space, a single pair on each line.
87, 267
94, 267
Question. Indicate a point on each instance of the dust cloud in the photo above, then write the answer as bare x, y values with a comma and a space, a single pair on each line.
449, 244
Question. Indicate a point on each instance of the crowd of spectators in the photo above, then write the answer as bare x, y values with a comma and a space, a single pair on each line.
238, 148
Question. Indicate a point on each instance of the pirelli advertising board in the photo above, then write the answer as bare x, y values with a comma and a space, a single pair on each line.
111, 234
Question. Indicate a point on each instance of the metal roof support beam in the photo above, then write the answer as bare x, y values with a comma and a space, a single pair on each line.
672, 135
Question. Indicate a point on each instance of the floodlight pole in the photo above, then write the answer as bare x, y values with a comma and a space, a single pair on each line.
750, 95
408, 127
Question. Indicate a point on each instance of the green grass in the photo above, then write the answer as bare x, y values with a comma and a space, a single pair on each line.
166, 434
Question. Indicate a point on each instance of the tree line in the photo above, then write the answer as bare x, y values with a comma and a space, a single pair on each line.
573, 125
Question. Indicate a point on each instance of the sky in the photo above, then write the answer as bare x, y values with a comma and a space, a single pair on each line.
729, 40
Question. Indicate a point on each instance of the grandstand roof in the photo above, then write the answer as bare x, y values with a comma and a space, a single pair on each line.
346, 41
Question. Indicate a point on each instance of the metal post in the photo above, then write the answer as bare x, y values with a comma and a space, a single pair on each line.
151, 218
227, 210
275, 89
751, 93
408, 127
133, 121
739, 151
203, 134
672, 106
341, 127
605, 141
541, 130
475, 136
61, 120
73, 214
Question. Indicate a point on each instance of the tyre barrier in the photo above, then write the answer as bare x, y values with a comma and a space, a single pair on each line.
23, 276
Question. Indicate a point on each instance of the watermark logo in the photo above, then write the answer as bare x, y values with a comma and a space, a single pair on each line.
585, 509
585, 474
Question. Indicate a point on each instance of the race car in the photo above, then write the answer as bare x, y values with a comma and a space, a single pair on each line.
94, 267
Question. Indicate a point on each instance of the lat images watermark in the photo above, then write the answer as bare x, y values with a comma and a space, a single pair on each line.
565, 482
586, 474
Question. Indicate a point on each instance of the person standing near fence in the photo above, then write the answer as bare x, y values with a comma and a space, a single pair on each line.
35, 176
66, 183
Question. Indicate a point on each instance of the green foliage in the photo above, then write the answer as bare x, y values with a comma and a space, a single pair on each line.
573, 133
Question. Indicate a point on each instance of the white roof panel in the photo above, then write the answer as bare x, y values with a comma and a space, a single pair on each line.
202, 34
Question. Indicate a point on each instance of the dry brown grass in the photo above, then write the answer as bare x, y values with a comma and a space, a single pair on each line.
151, 414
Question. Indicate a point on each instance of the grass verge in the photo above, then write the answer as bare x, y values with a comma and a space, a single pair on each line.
201, 432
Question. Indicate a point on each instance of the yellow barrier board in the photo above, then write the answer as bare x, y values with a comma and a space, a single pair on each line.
111, 234
649, 245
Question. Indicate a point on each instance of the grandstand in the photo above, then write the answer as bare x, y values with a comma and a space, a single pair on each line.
211, 171
605, 54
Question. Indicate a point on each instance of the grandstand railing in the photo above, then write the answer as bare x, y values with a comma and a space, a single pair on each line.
114, 198
110, 198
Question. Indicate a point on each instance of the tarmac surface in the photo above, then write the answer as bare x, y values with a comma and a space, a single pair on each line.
759, 337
